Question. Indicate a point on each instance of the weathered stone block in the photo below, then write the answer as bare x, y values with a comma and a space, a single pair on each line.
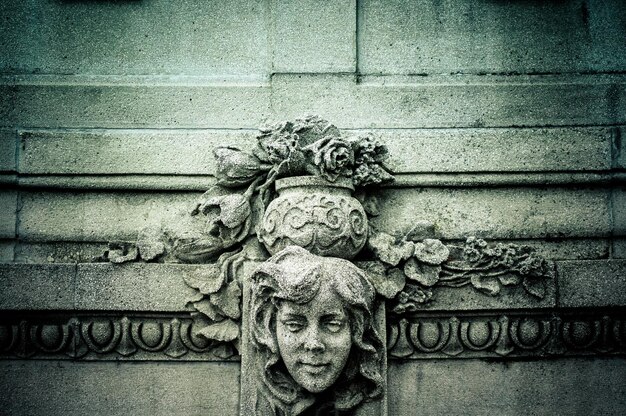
619, 248
65, 216
58, 252
222, 39
134, 286
313, 36
8, 207
498, 150
146, 389
597, 283
127, 151
7, 251
425, 37
37, 286
498, 212
7, 150
410, 102
618, 205
472, 387
467, 298
145, 102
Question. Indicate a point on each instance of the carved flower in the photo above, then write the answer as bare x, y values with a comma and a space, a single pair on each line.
234, 167
431, 251
333, 157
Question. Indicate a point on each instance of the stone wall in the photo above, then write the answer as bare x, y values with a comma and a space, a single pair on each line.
504, 120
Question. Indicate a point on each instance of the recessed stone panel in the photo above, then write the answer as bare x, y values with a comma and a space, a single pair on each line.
136, 287
95, 216
37, 286
591, 283
498, 212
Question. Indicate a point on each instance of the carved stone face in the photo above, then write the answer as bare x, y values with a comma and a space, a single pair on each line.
314, 339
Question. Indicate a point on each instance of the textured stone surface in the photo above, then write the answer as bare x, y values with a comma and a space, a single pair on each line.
592, 283
619, 248
50, 37
7, 150
498, 212
467, 298
125, 151
64, 216
383, 102
7, 251
418, 102
426, 37
190, 152
498, 150
8, 207
41, 286
618, 205
619, 147
150, 389
121, 102
136, 287
58, 252
314, 36
471, 387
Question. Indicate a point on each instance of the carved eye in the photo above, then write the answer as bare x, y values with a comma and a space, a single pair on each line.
293, 326
333, 325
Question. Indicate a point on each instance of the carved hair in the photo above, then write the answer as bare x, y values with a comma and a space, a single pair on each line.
296, 275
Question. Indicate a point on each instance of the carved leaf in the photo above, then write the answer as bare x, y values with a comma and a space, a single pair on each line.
536, 287
488, 285
206, 308
234, 167
387, 250
425, 274
228, 299
509, 279
207, 281
387, 284
226, 330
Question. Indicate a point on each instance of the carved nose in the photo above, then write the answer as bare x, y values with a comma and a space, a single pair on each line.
313, 342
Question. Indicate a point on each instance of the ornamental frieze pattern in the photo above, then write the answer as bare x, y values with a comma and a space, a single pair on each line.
498, 334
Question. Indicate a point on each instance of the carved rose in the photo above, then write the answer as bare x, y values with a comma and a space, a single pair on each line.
236, 168
431, 251
333, 157
425, 274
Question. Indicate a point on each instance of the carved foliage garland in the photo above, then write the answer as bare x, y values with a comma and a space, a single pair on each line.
295, 187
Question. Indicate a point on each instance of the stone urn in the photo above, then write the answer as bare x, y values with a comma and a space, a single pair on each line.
315, 214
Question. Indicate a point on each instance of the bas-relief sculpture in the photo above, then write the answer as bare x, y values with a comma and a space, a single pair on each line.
280, 230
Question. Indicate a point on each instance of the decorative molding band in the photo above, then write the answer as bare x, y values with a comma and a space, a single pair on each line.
95, 337
170, 337
515, 334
